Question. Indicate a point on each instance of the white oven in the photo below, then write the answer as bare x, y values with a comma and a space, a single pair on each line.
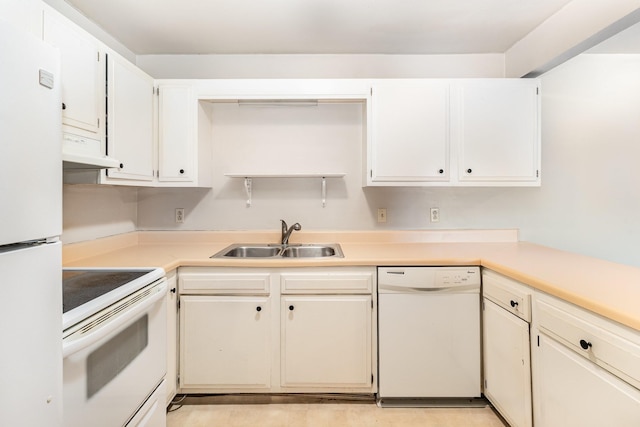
115, 363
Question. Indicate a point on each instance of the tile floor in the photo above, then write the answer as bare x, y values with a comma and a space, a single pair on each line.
326, 414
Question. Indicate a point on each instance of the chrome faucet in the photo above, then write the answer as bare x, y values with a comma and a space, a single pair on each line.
286, 231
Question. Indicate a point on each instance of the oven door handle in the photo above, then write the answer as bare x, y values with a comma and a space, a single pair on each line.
71, 346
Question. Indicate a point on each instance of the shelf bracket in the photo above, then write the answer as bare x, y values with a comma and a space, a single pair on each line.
324, 191
247, 189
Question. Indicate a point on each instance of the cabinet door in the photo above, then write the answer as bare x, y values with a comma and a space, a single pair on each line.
225, 342
82, 72
498, 131
171, 380
326, 341
572, 391
130, 120
410, 131
507, 364
177, 133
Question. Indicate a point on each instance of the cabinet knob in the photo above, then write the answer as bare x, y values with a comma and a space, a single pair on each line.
121, 165
64, 106
469, 170
513, 303
440, 170
258, 308
291, 308
181, 171
585, 344
173, 290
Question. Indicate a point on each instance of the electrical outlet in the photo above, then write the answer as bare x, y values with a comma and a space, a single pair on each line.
434, 215
382, 215
179, 215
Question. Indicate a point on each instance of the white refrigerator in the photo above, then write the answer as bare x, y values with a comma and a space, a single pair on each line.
30, 225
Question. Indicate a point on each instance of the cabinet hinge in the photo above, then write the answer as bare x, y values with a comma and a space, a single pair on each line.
371, 303
537, 91
485, 384
538, 340
371, 91
371, 173
372, 378
483, 305
98, 53
537, 174
98, 121
178, 302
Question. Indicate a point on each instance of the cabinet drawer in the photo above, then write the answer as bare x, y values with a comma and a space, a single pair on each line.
335, 282
507, 293
605, 343
192, 282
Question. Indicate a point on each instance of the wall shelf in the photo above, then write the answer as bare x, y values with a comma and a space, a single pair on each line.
249, 176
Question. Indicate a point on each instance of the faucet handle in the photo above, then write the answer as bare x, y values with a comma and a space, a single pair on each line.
284, 225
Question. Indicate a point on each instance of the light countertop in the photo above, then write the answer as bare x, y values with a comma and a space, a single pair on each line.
606, 288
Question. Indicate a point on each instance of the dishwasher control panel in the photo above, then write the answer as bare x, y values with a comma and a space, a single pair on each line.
397, 278
457, 277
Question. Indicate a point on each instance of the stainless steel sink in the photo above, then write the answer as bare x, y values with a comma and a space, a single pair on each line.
247, 250
310, 251
253, 251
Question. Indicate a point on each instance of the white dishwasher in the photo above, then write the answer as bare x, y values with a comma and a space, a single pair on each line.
429, 336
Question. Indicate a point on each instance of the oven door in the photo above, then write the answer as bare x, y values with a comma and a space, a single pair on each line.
115, 359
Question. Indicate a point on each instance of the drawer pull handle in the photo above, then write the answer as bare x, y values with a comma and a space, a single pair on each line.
513, 303
585, 344
173, 290
291, 308
258, 308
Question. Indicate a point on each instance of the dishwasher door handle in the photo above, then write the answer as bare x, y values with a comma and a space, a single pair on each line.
439, 289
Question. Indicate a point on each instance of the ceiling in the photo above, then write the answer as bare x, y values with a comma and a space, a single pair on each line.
318, 26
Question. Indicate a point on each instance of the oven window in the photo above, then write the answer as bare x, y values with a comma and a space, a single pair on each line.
111, 358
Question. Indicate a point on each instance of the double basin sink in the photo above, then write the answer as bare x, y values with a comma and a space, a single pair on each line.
277, 251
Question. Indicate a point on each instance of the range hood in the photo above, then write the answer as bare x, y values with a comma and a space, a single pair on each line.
82, 153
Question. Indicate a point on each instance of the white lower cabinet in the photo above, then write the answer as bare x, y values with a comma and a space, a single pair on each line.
586, 368
225, 342
242, 333
326, 341
572, 391
507, 365
506, 343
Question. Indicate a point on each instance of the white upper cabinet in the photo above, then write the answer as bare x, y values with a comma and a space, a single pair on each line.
454, 132
177, 145
498, 131
410, 135
82, 73
130, 136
